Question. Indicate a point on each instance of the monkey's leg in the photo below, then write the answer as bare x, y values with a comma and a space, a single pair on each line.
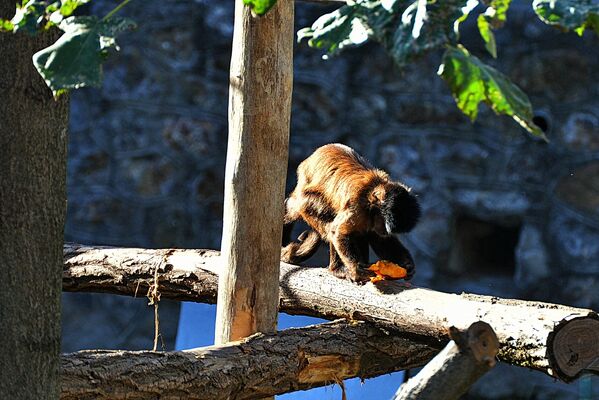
304, 248
390, 248
353, 251
292, 214
336, 266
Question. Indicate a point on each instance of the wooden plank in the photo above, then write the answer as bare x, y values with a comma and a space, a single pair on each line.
260, 86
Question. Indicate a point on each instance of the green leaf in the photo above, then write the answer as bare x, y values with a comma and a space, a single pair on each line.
75, 59
423, 27
576, 15
407, 29
471, 81
260, 7
496, 12
28, 16
334, 31
6, 25
67, 7
484, 27
494, 17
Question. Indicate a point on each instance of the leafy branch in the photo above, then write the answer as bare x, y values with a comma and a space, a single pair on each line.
75, 59
407, 29
471, 82
567, 15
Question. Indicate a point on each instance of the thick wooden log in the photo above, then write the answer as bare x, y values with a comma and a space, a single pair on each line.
468, 356
261, 365
260, 86
33, 170
528, 332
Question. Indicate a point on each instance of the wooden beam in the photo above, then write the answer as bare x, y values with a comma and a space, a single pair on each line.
468, 356
559, 340
260, 86
258, 366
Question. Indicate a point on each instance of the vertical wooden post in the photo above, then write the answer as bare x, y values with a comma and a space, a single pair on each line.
260, 89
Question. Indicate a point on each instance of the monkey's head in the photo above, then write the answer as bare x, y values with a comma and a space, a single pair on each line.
399, 208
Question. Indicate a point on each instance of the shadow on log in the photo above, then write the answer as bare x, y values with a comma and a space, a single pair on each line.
558, 340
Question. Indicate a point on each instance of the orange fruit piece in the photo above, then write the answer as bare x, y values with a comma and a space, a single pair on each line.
387, 270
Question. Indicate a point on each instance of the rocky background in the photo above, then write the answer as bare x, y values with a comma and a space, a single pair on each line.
504, 214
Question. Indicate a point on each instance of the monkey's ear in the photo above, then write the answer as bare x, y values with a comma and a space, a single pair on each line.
377, 196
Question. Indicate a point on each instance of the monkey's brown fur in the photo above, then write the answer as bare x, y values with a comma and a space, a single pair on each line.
349, 204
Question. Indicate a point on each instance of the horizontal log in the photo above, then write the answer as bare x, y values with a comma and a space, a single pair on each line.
558, 340
259, 366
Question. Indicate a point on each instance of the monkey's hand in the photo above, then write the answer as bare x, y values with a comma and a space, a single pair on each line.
411, 270
362, 274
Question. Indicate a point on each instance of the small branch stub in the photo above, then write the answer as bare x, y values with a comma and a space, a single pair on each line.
467, 357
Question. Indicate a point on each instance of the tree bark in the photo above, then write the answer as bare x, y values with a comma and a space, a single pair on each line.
260, 88
468, 356
258, 366
528, 332
33, 144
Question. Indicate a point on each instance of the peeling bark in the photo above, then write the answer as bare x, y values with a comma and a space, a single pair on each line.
259, 366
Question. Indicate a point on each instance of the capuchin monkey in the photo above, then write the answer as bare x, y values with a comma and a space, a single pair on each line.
349, 204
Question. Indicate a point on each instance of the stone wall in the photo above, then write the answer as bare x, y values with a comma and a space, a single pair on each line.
504, 213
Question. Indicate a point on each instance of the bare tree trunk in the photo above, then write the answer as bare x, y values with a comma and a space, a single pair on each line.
558, 340
33, 144
258, 366
259, 113
468, 356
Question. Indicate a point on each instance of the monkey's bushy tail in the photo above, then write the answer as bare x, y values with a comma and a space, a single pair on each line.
306, 245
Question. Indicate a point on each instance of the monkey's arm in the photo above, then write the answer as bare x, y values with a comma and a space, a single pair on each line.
352, 250
390, 248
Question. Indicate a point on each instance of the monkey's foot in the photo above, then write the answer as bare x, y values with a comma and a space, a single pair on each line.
361, 275
340, 273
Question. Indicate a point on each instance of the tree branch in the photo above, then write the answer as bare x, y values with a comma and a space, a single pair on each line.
259, 366
558, 340
468, 356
